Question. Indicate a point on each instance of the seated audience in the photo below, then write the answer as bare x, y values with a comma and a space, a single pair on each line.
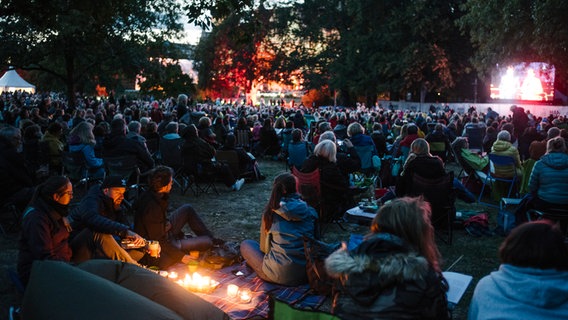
532, 280
548, 182
394, 273
45, 229
472, 159
16, 181
336, 196
152, 222
82, 139
503, 147
247, 163
52, 138
206, 132
100, 215
117, 144
197, 153
279, 257
298, 149
348, 160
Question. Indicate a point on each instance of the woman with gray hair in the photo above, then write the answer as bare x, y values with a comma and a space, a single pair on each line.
503, 147
335, 192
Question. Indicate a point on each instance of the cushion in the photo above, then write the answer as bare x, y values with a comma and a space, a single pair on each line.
154, 287
57, 290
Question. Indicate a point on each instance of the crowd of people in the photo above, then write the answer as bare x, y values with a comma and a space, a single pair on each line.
394, 273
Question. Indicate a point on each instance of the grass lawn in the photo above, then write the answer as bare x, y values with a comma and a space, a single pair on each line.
235, 216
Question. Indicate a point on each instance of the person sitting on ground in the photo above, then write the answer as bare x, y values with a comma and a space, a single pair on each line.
394, 273
532, 280
279, 257
45, 229
82, 139
247, 162
151, 221
196, 153
100, 215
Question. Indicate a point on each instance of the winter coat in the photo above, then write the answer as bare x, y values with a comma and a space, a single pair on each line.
285, 262
150, 218
425, 166
117, 145
96, 212
505, 148
335, 193
14, 175
88, 150
521, 293
44, 236
549, 178
383, 278
55, 149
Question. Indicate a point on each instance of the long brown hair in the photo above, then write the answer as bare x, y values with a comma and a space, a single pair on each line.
409, 219
284, 184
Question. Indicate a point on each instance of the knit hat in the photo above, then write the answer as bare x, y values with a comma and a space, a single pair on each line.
114, 182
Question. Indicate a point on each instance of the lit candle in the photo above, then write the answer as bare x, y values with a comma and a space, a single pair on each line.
245, 295
173, 275
232, 291
164, 273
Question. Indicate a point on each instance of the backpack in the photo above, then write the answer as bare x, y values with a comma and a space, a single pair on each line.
316, 252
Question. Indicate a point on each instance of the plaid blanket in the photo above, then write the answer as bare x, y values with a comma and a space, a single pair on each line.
258, 308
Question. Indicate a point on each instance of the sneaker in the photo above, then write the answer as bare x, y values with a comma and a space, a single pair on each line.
238, 184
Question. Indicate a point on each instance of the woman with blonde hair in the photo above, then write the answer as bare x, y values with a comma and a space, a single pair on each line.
394, 273
82, 139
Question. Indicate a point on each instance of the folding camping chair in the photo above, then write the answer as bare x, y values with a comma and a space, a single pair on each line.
497, 161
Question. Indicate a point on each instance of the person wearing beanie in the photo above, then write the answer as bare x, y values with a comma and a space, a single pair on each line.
100, 218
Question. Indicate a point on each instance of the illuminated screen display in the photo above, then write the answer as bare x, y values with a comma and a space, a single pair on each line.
533, 81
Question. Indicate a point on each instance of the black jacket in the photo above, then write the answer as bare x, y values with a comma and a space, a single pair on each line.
150, 217
118, 145
96, 212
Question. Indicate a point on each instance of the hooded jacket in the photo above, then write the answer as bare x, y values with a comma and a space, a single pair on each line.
383, 278
285, 261
549, 178
505, 148
521, 293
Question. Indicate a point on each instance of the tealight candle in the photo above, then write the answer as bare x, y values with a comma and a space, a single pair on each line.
232, 291
245, 295
173, 275
164, 273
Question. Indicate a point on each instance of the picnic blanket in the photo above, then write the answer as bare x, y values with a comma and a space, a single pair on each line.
242, 276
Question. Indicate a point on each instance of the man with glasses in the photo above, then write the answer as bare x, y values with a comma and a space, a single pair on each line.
99, 220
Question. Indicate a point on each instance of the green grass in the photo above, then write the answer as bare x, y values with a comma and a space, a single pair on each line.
235, 216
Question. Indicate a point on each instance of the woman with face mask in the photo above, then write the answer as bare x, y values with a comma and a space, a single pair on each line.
45, 229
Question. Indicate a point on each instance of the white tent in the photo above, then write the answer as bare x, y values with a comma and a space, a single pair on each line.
11, 81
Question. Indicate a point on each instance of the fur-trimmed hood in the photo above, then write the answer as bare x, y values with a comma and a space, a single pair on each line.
382, 261
384, 254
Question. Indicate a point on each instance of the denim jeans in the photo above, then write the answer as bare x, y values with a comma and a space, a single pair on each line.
250, 250
186, 214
